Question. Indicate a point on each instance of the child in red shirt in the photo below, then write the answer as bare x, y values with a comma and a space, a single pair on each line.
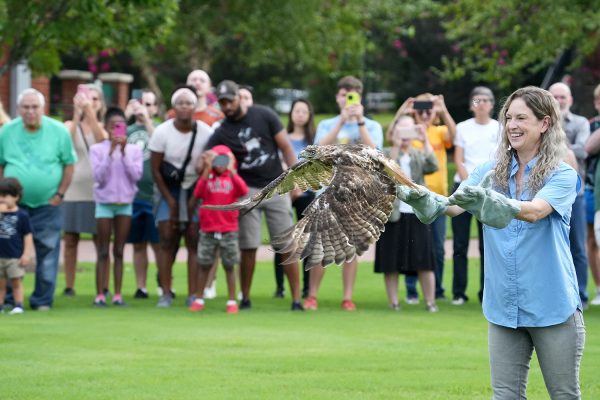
219, 184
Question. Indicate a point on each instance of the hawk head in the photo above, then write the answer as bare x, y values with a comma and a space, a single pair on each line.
309, 152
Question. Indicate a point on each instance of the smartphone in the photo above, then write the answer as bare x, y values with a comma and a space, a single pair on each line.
423, 105
222, 160
84, 90
352, 98
120, 130
137, 94
406, 133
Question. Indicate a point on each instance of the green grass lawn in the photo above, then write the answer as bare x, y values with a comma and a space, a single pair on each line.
141, 352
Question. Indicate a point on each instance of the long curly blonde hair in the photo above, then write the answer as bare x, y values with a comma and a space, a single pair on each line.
553, 144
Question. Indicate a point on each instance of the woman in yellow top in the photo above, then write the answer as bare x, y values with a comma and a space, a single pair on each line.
430, 111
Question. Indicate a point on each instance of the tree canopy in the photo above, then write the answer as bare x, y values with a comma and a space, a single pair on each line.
41, 31
392, 45
500, 40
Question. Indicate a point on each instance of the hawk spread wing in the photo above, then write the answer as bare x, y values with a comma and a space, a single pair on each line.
304, 175
343, 221
345, 218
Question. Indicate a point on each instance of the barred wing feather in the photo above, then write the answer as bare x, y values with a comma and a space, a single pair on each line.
343, 221
304, 175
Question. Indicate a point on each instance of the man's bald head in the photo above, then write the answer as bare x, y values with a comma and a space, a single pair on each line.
200, 80
562, 93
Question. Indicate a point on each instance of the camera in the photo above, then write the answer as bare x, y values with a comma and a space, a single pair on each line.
423, 105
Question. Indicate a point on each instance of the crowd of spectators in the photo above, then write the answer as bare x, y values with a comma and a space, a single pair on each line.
124, 176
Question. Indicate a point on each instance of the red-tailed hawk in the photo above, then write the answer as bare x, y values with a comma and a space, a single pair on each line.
346, 217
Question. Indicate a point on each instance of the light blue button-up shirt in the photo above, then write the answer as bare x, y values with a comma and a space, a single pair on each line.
350, 131
530, 279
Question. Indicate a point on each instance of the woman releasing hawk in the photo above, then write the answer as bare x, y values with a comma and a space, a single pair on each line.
349, 214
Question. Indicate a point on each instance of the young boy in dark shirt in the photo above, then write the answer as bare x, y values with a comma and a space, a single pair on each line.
16, 242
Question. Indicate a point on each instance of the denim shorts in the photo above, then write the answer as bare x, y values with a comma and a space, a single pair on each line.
589, 205
111, 210
226, 243
161, 207
143, 228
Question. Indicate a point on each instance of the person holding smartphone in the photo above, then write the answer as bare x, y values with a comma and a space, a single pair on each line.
406, 244
117, 167
78, 207
431, 112
350, 126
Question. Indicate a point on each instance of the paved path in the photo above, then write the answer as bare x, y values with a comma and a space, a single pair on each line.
87, 252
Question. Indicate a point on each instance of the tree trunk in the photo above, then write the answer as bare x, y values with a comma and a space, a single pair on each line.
150, 78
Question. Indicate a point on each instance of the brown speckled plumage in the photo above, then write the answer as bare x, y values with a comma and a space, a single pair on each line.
348, 215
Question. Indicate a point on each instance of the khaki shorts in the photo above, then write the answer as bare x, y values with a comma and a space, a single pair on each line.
277, 209
11, 269
226, 243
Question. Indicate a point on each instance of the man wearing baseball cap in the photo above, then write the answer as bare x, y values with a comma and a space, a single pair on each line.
256, 136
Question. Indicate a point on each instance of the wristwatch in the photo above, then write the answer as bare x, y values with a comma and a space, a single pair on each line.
361, 123
59, 194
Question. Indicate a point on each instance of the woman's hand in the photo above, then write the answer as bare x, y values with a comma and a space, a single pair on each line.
115, 142
439, 105
407, 107
80, 102
421, 133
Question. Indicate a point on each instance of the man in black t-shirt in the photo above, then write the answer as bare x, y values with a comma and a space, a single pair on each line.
255, 136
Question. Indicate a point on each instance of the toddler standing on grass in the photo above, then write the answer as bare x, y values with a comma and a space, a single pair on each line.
219, 184
117, 166
16, 242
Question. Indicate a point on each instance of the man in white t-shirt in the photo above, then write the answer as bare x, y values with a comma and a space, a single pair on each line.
476, 142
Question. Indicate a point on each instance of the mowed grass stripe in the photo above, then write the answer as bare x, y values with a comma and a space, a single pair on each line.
141, 352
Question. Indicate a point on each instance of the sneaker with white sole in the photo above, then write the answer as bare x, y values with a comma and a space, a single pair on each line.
458, 301
17, 310
412, 301
596, 301
210, 292
164, 301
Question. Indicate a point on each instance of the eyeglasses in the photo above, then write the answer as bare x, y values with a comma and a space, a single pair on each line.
184, 103
30, 107
477, 102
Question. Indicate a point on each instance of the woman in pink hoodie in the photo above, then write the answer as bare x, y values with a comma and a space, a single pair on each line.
117, 166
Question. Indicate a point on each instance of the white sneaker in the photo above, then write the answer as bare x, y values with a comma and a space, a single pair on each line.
459, 301
211, 291
596, 301
17, 310
412, 300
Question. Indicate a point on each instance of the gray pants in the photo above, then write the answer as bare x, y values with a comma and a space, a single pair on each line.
559, 349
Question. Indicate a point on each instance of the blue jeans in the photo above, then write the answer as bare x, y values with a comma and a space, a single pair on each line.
577, 237
46, 223
438, 228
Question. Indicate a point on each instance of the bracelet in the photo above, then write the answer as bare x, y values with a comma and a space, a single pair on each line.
59, 194
362, 123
